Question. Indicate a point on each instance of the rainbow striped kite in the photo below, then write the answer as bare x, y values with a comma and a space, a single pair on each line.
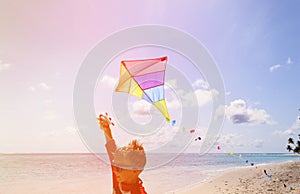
145, 79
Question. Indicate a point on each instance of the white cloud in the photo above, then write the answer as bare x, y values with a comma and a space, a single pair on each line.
233, 141
31, 88
230, 140
4, 66
173, 104
277, 66
283, 132
39, 87
258, 143
220, 111
289, 61
203, 97
272, 68
141, 107
203, 94
238, 112
293, 130
200, 83
43, 86
109, 81
160, 138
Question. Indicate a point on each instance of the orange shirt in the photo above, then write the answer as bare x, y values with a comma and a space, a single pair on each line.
121, 188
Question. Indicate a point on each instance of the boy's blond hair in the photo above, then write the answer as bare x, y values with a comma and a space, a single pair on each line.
133, 155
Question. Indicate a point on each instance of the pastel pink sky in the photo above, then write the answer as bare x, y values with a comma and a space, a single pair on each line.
46, 42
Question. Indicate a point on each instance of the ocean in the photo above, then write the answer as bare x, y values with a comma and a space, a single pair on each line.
59, 170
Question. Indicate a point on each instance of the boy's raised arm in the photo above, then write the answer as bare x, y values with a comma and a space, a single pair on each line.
110, 145
105, 123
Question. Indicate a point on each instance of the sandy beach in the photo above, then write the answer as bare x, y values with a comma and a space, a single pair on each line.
55, 187
285, 179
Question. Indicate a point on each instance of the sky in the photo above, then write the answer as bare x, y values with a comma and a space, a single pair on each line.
43, 45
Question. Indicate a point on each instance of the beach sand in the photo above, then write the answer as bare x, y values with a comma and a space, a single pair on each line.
55, 187
285, 179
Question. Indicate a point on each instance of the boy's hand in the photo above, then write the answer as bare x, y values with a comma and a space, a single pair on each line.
105, 122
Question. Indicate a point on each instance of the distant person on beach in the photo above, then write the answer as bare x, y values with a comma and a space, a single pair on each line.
127, 162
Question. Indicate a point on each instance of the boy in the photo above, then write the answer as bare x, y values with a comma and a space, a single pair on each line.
127, 162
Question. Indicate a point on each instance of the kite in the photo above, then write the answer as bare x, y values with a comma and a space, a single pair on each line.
145, 79
173, 122
198, 138
268, 175
218, 147
265, 172
192, 131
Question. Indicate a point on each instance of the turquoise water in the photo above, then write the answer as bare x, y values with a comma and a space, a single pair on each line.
212, 161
